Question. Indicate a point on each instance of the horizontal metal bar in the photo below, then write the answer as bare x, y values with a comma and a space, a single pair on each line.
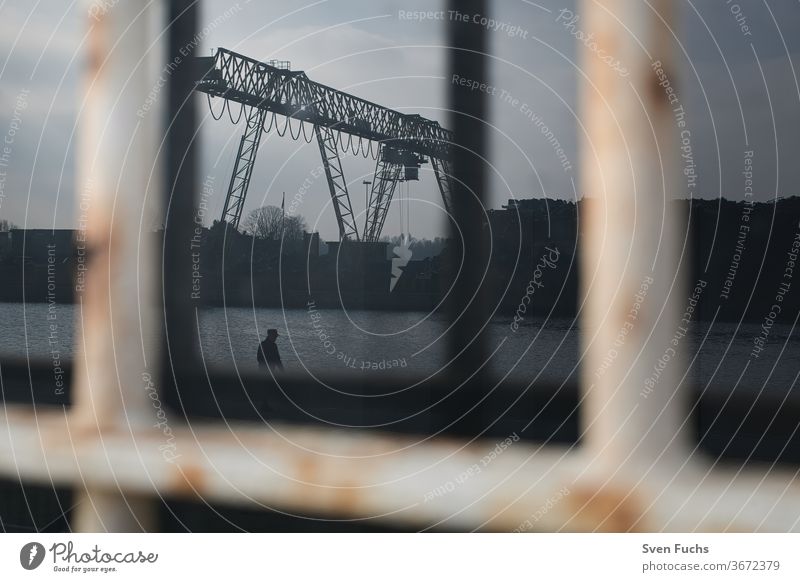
441, 482
726, 426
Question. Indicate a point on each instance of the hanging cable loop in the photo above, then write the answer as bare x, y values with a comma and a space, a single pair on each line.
271, 122
306, 138
291, 133
285, 127
230, 115
211, 109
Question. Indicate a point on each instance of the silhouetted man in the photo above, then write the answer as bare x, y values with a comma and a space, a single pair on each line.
267, 354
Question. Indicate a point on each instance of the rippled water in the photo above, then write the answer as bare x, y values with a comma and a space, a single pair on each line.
327, 340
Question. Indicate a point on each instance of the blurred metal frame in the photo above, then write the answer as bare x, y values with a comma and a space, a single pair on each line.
636, 469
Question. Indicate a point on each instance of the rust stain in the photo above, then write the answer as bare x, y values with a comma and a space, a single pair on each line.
347, 499
189, 481
96, 48
606, 510
84, 433
307, 469
502, 516
655, 92
100, 247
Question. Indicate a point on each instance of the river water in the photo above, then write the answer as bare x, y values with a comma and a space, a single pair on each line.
331, 340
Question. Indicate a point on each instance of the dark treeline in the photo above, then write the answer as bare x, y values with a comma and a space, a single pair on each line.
745, 253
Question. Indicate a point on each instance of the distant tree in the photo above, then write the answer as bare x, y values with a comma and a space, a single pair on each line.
295, 227
5, 225
264, 222
268, 222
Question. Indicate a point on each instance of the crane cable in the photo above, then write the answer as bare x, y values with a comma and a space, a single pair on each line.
400, 206
408, 210
299, 129
307, 139
405, 211
211, 109
271, 122
230, 115
285, 128
357, 149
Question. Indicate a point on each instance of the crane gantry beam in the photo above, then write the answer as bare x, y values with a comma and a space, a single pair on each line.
264, 88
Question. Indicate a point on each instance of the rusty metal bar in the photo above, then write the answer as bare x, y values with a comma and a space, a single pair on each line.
117, 316
350, 474
635, 408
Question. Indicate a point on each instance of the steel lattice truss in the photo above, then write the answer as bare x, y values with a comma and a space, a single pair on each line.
336, 183
338, 119
243, 168
442, 170
387, 174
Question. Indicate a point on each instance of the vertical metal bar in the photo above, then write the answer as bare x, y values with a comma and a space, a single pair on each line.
633, 367
116, 280
467, 59
179, 316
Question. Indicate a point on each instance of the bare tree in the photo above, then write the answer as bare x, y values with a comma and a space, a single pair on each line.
264, 222
268, 222
295, 228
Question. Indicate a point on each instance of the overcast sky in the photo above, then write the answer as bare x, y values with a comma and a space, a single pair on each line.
367, 48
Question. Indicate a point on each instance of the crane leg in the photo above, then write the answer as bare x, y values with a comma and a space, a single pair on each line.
243, 168
387, 174
336, 183
441, 168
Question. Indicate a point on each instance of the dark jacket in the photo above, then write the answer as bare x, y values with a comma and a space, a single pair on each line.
267, 355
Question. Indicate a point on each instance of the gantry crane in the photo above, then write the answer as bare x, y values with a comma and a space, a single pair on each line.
271, 96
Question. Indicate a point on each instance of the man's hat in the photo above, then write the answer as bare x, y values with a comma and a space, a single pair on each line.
272, 331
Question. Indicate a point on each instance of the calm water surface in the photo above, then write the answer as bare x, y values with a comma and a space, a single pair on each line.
326, 340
